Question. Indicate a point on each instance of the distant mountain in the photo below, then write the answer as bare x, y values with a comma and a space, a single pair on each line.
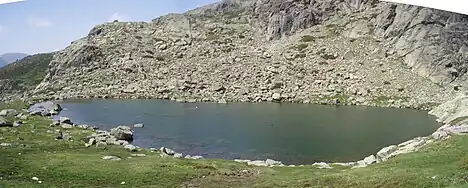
3, 62
12, 57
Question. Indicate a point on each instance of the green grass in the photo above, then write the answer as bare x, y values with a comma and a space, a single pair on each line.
385, 100
301, 47
340, 97
307, 38
35, 153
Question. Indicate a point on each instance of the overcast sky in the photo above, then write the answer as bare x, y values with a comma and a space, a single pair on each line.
34, 26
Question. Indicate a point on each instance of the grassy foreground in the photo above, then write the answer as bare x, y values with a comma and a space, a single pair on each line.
56, 163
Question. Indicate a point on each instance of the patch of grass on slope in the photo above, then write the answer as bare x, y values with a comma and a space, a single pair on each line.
27, 72
35, 153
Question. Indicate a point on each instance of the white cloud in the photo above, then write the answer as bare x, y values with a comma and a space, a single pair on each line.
39, 22
117, 16
1, 28
9, 1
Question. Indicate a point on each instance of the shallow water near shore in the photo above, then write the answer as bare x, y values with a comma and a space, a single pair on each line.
291, 133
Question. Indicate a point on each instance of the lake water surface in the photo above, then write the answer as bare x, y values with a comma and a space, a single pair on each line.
291, 133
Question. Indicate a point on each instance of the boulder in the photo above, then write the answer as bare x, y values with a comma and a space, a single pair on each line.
65, 120
4, 122
59, 135
271, 162
167, 151
138, 125
457, 130
122, 133
193, 157
257, 163
66, 126
130, 147
366, 161
8, 112
44, 108
17, 123
83, 126
112, 158
322, 165
178, 155
384, 153
452, 112
138, 155
5, 144
440, 135
276, 96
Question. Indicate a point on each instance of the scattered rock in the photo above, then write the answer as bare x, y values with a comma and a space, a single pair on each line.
130, 147
222, 101
193, 157
4, 122
8, 112
241, 160
65, 120
66, 126
257, 163
139, 125
384, 153
322, 165
17, 123
122, 133
59, 135
440, 135
271, 162
22, 116
66, 136
83, 126
276, 96
178, 155
138, 155
5, 144
167, 151
452, 112
44, 109
112, 158
366, 161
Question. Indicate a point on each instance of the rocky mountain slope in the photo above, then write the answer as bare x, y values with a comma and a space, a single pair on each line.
350, 51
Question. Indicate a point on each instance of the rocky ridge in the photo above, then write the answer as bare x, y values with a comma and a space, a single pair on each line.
357, 52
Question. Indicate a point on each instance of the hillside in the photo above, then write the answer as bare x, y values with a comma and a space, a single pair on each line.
365, 52
3, 62
23, 75
12, 57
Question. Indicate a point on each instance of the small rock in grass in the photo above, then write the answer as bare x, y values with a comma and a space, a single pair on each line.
178, 155
59, 135
130, 147
138, 155
112, 158
5, 144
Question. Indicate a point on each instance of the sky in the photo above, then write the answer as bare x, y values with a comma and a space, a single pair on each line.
37, 26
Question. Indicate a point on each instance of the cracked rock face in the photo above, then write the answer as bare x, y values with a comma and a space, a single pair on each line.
359, 52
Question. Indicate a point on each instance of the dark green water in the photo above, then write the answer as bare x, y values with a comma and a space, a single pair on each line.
292, 133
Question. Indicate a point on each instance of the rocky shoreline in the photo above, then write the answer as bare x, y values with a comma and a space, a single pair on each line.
338, 100
453, 114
